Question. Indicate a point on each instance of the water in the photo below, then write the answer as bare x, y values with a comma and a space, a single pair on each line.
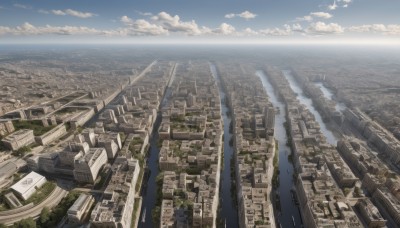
340, 107
149, 191
330, 137
228, 211
288, 207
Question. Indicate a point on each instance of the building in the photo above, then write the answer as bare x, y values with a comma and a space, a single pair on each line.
51, 135
388, 203
115, 209
28, 185
87, 168
6, 127
19, 139
370, 214
80, 208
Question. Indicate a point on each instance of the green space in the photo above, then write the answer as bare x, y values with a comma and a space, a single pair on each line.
41, 193
35, 125
51, 218
136, 145
135, 208
22, 151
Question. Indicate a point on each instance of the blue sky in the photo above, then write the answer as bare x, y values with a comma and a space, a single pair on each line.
74, 21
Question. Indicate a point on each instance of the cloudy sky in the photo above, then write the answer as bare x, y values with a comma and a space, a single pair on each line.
219, 21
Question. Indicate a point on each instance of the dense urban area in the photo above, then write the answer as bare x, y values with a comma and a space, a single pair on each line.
199, 137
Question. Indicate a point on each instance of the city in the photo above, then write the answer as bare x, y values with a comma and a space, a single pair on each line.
190, 143
199, 114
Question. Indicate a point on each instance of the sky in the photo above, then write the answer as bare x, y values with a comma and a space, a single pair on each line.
200, 21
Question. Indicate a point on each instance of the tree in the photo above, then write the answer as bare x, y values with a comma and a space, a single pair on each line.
25, 223
44, 215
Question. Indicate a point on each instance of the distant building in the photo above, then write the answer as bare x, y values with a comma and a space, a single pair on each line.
87, 168
28, 185
19, 139
77, 211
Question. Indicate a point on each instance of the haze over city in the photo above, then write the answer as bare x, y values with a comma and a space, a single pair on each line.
203, 114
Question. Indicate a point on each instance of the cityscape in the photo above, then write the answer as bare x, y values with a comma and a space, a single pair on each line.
175, 123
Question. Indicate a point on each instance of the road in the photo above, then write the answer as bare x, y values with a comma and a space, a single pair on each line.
144, 72
11, 216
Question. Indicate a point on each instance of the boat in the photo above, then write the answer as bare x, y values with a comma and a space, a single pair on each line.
294, 224
144, 216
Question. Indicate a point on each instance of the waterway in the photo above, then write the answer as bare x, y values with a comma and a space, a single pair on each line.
228, 212
328, 94
330, 137
287, 210
149, 189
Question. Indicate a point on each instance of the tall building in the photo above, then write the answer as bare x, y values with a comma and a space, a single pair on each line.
87, 168
115, 210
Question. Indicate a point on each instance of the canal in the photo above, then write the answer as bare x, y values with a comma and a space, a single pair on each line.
328, 94
288, 209
330, 137
228, 213
149, 185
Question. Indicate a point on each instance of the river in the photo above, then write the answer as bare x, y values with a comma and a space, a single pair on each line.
149, 189
228, 212
340, 107
330, 137
288, 207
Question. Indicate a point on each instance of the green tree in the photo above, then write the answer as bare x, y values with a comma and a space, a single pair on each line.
44, 215
25, 223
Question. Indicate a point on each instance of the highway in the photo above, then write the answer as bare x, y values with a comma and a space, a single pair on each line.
148, 68
14, 215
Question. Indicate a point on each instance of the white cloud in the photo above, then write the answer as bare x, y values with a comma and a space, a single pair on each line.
224, 29
333, 6
286, 31
126, 20
321, 15
305, 18
174, 24
58, 12
245, 14
249, 32
141, 27
73, 13
391, 29
297, 28
17, 5
230, 15
29, 29
339, 3
312, 15
320, 28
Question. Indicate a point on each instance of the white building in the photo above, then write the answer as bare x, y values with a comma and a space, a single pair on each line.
28, 185
81, 206
88, 167
19, 139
